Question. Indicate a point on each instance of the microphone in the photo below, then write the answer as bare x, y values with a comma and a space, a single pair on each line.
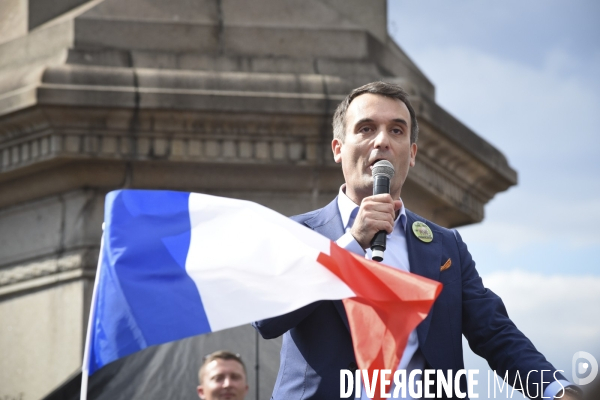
383, 171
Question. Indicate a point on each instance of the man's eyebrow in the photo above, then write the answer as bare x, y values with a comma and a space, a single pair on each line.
362, 121
398, 120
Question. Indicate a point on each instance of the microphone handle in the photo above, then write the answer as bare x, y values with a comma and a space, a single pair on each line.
381, 184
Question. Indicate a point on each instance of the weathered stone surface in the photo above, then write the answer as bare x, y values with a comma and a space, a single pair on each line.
13, 19
42, 11
54, 232
40, 339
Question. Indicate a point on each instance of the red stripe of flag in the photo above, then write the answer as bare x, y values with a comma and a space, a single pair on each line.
389, 304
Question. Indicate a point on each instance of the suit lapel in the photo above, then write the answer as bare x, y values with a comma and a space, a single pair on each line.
424, 259
328, 223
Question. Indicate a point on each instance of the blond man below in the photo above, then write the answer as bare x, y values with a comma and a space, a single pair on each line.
222, 376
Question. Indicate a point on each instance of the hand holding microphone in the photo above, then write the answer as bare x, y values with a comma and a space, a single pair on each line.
383, 171
375, 218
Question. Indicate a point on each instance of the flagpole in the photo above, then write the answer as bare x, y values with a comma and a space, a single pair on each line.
85, 368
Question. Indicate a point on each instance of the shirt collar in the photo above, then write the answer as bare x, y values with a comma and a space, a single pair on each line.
348, 210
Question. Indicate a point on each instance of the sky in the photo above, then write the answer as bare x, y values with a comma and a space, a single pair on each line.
525, 75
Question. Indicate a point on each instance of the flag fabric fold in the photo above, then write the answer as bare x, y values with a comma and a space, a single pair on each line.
388, 305
174, 265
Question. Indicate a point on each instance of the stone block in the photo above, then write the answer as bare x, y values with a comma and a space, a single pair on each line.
109, 145
177, 148
89, 76
281, 65
290, 42
54, 224
160, 147
295, 150
25, 55
35, 149
198, 11
311, 15
41, 340
15, 159
56, 143
72, 143
90, 144
371, 15
279, 151
143, 147
365, 69
212, 148
5, 158
45, 145
82, 219
155, 59
126, 145
194, 148
100, 57
261, 150
13, 19
311, 151
229, 149
145, 35
30, 230
245, 149
24, 152
41, 11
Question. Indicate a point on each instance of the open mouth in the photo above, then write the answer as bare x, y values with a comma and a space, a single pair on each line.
375, 161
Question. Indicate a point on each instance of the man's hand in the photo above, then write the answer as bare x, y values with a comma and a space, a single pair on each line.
376, 213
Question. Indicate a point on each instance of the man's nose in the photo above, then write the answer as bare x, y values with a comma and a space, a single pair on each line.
382, 139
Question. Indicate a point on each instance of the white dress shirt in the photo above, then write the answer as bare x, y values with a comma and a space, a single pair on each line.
396, 255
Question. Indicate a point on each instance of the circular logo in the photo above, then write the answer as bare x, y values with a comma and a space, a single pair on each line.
584, 371
422, 231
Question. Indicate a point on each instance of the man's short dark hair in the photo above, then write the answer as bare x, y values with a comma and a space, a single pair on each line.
220, 355
390, 90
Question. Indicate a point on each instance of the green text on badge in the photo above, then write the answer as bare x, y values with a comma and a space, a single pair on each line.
422, 231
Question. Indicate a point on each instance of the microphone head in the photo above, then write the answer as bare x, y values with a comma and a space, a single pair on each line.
383, 167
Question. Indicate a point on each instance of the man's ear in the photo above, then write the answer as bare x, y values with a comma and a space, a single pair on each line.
200, 390
336, 147
413, 154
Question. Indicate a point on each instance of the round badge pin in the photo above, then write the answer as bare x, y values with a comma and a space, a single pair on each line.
422, 231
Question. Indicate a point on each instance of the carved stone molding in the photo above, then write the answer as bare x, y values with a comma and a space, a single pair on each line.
47, 270
445, 169
158, 147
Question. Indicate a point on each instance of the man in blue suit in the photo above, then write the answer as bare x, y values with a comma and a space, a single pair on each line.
377, 122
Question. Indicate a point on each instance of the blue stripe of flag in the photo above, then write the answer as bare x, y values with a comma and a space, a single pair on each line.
144, 295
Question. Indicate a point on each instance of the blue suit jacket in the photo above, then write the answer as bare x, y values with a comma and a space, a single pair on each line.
317, 342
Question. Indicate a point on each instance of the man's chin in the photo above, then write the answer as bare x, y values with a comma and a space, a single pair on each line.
227, 395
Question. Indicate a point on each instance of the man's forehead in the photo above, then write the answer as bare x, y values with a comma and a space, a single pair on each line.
374, 106
219, 366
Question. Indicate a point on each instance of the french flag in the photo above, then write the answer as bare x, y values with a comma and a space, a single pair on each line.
175, 264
